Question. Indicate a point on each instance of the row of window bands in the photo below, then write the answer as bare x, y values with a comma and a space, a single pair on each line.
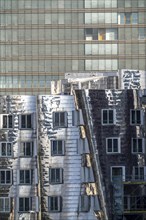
114, 3
109, 34
114, 18
138, 173
55, 204
59, 120
25, 177
25, 121
101, 34
109, 117
25, 204
113, 145
26, 149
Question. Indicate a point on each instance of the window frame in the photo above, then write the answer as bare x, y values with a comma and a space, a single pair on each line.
128, 18
135, 117
137, 146
57, 151
6, 170
4, 204
24, 182
141, 33
118, 145
60, 124
57, 179
114, 117
100, 34
6, 150
23, 144
140, 176
8, 125
25, 201
123, 172
59, 203
25, 123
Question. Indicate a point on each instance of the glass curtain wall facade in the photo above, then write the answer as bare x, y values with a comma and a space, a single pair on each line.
40, 40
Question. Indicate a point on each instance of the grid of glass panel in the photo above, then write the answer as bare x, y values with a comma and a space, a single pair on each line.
41, 40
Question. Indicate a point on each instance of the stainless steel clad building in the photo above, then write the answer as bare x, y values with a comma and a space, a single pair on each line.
45, 165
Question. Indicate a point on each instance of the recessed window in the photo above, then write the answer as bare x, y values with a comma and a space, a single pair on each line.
113, 145
25, 176
57, 147
139, 173
137, 145
4, 204
56, 175
25, 204
60, 119
5, 177
26, 149
26, 122
117, 172
6, 149
108, 116
55, 203
101, 34
135, 117
7, 121
142, 33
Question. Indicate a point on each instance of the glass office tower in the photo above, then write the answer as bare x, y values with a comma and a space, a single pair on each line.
40, 40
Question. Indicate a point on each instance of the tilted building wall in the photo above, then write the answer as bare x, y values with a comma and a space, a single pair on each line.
118, 118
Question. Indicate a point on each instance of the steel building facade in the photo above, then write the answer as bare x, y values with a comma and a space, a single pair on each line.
46, 170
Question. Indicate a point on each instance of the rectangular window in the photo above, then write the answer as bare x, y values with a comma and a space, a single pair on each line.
7, 121
101, 34
137, 145
89, 34
135, 117
6, 149
56, 175
57, 147
55, 203
142, 33
26, 149
118, 173
139, 173
25, 204
128, 18
113, 145
108, 116
60, 119
25, 176
26, 121
4, 204
5, 177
